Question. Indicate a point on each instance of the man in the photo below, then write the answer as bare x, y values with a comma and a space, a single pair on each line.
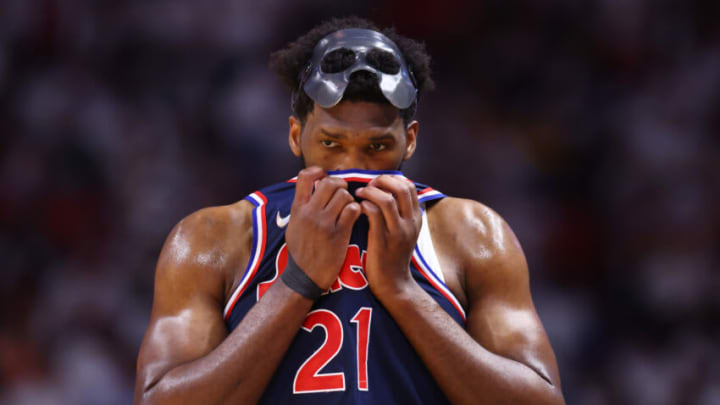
348, 283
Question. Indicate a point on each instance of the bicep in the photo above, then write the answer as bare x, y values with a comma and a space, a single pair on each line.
179, 337
186, 321
501, 316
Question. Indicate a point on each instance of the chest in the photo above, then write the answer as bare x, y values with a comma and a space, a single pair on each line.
348, 344
269, 257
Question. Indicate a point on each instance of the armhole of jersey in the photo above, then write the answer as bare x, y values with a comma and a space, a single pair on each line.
257, 251
426, 261
427, 250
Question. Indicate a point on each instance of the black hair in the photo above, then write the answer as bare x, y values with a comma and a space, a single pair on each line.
363, 85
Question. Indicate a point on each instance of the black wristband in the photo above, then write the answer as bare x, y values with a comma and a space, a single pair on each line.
296, 279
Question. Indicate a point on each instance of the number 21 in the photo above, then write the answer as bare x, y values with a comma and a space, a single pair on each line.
308, 377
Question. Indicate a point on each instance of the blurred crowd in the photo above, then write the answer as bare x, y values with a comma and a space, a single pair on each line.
591, 127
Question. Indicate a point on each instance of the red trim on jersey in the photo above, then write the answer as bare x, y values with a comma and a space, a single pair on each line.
439, 288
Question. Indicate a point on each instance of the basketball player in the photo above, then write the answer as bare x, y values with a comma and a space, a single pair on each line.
348, 283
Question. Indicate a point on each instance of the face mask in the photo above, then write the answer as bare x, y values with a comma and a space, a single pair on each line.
327, 88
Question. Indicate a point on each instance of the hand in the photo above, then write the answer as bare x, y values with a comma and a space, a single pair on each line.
393, 211
320, 225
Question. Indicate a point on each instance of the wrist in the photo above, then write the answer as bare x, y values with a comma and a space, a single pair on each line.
397, 288
297, 280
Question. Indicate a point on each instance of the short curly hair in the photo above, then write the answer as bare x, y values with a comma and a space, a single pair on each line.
363, 86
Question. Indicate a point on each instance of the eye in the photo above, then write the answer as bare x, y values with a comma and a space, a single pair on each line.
377, 147
328, 143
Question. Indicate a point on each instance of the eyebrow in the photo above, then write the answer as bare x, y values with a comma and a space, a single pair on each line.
382, 137
375, 138
332, 135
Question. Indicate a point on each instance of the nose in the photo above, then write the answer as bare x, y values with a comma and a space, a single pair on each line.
353, 159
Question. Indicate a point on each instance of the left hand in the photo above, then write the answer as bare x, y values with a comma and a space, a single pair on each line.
393, 211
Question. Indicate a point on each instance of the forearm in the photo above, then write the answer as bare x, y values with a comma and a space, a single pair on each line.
464, 369
239, 369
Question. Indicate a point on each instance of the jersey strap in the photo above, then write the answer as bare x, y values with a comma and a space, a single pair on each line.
259, 240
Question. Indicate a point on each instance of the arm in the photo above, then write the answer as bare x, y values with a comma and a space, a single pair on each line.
503, 356
186, 356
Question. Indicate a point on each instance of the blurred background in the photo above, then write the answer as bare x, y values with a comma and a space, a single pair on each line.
591, 127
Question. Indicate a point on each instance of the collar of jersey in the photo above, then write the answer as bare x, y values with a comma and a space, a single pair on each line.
362, 174
358, 175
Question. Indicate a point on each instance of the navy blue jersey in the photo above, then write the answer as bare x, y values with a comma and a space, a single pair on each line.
349, 350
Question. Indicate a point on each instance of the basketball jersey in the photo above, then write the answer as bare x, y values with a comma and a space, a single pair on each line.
349, 349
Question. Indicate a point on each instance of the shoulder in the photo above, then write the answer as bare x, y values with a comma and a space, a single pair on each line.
216, 223
481, 240
204, 247
476, 222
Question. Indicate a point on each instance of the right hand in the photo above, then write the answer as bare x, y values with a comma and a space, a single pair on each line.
320, 225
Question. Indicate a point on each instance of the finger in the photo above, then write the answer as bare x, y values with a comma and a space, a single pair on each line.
325, 189
304, 185
384, 201
415, 199
339, 200
375, 218
413, 193
349, 214
403, 190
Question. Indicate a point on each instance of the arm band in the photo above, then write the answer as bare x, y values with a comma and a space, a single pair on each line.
296, 279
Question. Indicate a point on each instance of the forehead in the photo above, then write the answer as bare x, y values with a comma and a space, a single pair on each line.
356, 116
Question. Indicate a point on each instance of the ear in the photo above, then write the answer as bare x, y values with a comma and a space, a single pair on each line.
411, 136
294, 135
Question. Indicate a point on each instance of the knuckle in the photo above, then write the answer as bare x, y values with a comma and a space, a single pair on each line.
322, 184
306, 212
328, 227
332, 181
324, 221
347, 196
320, 226
304, 173
387, 199
337, 182
337, 196
323, 227
309, 172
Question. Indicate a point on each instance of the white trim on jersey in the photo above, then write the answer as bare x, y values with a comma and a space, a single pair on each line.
427, 262
425, 244
429, 194
359, 175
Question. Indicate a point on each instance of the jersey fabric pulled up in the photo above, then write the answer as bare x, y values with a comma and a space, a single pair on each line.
349, 349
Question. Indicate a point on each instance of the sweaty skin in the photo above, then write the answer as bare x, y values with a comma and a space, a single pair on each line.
503, 355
